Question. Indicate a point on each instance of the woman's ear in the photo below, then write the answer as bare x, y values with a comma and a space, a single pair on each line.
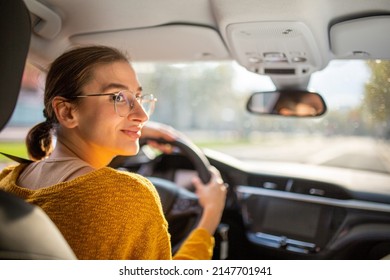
65, 112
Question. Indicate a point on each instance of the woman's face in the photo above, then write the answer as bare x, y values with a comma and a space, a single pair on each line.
99, 126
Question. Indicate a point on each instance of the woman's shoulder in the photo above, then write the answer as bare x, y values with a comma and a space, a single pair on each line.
120, 183
116, 177
129, 190
11, 170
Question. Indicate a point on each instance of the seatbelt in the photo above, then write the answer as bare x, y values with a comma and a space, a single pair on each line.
17, 159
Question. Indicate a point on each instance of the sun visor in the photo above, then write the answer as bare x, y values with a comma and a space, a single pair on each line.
161, 43
362, 38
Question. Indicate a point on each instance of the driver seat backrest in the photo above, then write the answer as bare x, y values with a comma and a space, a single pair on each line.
25, 230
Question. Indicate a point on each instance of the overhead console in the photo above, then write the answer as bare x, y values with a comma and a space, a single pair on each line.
285, 48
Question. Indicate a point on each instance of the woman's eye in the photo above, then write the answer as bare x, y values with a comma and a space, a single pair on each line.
119, 98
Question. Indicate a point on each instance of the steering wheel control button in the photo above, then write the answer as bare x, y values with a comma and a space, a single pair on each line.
185, 206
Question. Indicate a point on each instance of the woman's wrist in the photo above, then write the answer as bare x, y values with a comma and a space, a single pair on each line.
210, 219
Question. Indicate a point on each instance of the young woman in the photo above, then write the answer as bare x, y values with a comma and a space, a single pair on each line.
95, 105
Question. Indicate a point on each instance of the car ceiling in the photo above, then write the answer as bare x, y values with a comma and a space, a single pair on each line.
286, 39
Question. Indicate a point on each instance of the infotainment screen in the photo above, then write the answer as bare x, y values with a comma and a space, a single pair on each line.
291, 217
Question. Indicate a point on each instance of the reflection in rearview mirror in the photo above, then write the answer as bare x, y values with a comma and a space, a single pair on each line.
295, 103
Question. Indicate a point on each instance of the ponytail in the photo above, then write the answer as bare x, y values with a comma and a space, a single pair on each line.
39, 140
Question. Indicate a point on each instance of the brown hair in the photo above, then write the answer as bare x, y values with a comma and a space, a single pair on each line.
66, 77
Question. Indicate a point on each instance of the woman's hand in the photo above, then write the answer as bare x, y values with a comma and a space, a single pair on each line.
166, 132
212, 197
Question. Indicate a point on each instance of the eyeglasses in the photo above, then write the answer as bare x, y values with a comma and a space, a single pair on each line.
124, 101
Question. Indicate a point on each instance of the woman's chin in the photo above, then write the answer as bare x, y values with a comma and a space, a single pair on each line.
130, 151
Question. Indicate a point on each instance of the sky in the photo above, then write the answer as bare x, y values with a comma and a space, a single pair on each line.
342, 82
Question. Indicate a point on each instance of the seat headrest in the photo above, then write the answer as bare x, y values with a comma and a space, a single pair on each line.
15, 32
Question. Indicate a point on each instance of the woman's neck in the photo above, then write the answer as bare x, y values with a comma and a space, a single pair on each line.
65, 148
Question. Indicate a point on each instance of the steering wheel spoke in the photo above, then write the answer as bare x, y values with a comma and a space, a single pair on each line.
185, 205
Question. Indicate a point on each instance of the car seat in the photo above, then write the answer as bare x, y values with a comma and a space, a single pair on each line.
26, 232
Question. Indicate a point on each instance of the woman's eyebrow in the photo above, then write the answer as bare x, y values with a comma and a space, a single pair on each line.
105, 88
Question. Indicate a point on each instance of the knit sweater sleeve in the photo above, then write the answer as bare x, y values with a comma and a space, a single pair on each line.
198, 246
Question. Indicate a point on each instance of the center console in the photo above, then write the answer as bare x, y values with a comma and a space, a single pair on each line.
290, 225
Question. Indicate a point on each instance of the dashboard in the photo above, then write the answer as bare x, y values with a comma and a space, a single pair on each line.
273, 215
314, 226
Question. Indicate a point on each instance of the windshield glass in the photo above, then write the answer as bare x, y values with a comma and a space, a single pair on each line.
207, 101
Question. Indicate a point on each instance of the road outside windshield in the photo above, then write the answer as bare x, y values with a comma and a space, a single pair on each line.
207, 102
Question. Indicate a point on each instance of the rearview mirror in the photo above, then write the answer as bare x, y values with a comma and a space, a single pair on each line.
296, 103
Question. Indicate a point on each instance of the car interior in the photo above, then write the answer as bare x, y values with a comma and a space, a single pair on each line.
273, 210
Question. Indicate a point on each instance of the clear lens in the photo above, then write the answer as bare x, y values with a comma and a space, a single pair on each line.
124, 103
147, 102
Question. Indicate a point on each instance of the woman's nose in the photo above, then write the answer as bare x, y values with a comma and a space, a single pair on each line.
138, 113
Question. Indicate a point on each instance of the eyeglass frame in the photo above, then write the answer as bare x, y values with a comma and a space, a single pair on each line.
131, 106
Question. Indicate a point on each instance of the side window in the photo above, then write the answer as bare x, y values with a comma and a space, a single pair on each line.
29, 107
27, 113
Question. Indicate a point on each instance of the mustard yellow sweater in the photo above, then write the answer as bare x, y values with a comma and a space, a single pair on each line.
109, 214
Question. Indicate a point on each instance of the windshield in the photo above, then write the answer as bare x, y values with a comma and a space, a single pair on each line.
207, 101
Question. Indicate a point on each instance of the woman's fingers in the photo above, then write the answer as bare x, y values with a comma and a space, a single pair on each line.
213, 194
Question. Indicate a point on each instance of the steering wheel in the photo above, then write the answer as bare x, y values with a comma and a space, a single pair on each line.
192, 152
180, 206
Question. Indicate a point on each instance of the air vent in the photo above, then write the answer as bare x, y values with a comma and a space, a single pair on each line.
319, 189
300, 186
268, 182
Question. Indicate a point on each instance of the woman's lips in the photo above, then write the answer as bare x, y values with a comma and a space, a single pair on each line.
132, 133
